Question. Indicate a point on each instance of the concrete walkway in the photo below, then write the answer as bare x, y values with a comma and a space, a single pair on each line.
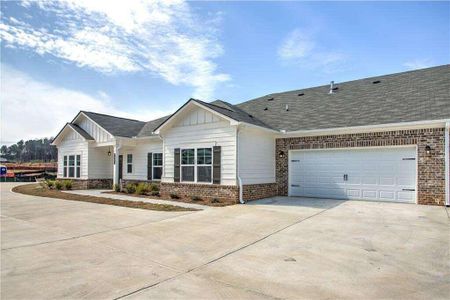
101, 193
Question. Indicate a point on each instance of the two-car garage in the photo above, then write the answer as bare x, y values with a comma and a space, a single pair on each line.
375, 173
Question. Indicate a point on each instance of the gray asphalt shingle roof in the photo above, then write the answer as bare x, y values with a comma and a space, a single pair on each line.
150, 126
233, 112
81, 131
116, 126
403, 97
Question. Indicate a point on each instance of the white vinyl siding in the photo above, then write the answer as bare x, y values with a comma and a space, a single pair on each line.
100, 164
256, 156
94, 130
73, 147
205, 135
140, 156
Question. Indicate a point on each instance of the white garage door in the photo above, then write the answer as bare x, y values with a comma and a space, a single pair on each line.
382, 174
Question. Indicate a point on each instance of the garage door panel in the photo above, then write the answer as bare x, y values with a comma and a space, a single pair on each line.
372, 173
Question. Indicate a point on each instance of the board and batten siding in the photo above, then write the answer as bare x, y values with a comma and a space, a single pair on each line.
100, 164
256, 156
140, 152
201, 129
99, 134
73, 144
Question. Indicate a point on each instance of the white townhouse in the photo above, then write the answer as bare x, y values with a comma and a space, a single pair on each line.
383, 138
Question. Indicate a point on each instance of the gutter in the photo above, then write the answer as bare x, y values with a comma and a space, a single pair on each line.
367, 128
447, 163
239, 180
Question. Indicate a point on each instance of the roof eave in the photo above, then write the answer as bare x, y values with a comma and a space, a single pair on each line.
368, 128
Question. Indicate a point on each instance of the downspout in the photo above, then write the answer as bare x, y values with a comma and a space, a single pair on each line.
241, 198
447, 163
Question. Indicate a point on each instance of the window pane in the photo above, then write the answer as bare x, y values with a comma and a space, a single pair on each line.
78, 172
157, 159
203, 174
65, 172
78, 160
71, 171
187, 157
129, 158
187, 173
129, 168
204, 156
157, 172
65, 160
71, 160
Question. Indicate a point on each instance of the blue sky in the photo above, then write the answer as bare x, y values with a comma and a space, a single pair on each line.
145, 59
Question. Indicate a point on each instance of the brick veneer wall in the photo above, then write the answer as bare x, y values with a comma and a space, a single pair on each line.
84, 184
227, 193
259, 191
124, 182
430, 169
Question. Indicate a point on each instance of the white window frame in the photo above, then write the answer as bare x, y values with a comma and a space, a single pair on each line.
203, 165
160, 166
130, 163
195, 165
187, 165
67, 166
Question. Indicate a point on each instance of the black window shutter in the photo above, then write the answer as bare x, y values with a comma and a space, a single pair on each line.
216, 164
176, 164
149, 166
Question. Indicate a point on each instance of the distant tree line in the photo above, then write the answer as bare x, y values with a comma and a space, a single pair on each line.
32, 150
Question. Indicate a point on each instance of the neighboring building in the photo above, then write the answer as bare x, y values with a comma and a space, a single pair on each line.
384, 138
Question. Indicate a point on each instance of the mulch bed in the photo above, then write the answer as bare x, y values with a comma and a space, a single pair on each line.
184, 200
38, 190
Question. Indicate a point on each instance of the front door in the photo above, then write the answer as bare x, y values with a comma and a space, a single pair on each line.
120, 167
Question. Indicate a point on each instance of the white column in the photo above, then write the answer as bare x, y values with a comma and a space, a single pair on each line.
116, 165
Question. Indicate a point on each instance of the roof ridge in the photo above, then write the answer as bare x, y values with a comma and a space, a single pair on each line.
106, 115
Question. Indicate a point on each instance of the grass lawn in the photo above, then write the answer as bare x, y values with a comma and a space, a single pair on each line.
37, 190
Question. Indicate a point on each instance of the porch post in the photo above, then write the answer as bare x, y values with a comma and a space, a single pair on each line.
116, 165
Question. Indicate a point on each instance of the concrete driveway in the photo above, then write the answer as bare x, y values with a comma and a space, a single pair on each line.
273, 248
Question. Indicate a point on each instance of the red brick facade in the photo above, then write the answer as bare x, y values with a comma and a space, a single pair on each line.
225, 193
259, 191
430, 170
84, 184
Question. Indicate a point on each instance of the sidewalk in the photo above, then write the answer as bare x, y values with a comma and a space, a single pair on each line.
99, 193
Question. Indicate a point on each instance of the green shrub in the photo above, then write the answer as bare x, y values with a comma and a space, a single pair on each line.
58, 184
154, 187
116, 188
50, 183
67, 184
196, 198
154, 193
130, 188
174, 196
142, 188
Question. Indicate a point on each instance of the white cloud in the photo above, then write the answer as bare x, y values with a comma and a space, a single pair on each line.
34, 109
301, 47
162, 37
418, 64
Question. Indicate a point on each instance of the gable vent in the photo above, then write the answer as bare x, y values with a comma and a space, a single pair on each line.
301, 94
376, 81
270, 99
287, 107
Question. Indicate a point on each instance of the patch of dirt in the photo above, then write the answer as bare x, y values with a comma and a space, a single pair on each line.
38, 190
